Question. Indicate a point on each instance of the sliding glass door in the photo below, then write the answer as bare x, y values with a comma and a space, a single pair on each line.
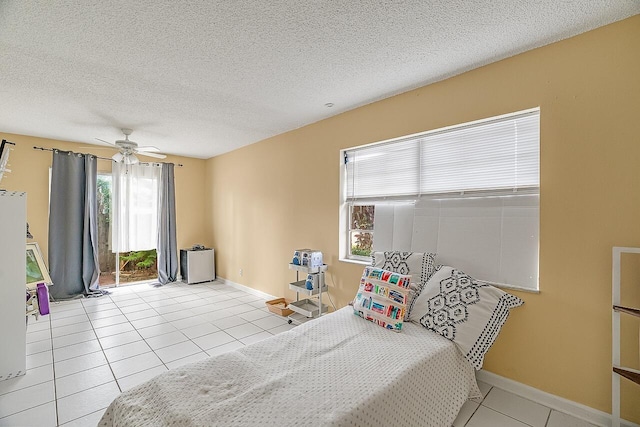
106, 258
138, 261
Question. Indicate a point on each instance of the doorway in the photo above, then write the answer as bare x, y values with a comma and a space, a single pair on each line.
119, 268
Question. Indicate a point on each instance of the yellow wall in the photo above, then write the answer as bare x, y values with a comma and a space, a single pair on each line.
266, 199
30, 173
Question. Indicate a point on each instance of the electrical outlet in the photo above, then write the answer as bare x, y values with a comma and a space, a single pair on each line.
241, 272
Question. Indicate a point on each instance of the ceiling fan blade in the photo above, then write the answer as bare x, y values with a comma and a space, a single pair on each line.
156, 155
95, 147
148, 148
106, 142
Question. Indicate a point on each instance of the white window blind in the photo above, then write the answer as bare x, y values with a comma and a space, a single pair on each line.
499, 154
389, 169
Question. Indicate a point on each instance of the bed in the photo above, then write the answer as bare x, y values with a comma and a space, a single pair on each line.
338, 370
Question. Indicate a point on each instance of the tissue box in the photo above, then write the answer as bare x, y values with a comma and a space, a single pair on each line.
307, 257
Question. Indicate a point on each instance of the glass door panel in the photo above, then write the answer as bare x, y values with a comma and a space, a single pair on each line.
106, 258
134, 266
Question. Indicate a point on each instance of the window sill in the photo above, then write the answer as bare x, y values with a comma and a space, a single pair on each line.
354, 261
506, 287
517, 288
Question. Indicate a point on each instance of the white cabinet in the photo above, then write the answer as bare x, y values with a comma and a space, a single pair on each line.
311, 307
632, 375
197, 266
13, 282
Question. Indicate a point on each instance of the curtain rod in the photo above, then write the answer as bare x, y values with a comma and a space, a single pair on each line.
101, 158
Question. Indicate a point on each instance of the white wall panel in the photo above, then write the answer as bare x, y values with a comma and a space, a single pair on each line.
402, 227
470, 237
383, 228
393, 227
426, 223
520, 236
492, 238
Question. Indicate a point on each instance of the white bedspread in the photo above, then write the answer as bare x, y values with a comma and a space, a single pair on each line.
338, 370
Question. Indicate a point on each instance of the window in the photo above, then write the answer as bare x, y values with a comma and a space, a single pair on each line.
482, 177
361, 231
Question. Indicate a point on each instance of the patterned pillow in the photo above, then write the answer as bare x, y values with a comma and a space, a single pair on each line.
468, 312
382, 297
419, 265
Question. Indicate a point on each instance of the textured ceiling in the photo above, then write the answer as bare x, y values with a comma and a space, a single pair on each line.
201, 78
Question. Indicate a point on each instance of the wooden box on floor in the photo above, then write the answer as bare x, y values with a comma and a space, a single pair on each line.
279, 306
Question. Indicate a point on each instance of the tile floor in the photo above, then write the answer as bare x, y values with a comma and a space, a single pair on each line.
81, 356
499, 408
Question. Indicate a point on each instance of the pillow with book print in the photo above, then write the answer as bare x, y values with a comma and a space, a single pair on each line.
419, 265
382, 297
468, 312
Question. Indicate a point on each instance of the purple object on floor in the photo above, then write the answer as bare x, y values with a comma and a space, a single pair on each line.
43, 298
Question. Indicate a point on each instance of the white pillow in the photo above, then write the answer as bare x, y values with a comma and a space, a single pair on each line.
468, 312
418, 264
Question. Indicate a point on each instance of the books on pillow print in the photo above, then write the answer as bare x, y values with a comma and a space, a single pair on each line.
382, 297
386, 276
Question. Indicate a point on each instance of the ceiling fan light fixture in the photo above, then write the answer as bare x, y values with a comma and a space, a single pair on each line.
128, 150
131, 159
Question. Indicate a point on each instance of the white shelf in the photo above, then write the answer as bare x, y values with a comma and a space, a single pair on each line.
298, 319
629, 373
301, 288
308, 307
618, 371
312, 307
307, 270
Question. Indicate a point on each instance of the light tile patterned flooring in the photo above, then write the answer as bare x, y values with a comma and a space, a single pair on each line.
81, 356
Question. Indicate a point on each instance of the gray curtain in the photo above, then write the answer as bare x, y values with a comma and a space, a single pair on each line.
73, 228
167, 246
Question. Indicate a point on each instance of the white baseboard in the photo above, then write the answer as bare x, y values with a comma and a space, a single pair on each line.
549, 400
245, 288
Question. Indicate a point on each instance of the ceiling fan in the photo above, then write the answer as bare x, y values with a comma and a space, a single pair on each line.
129, 149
